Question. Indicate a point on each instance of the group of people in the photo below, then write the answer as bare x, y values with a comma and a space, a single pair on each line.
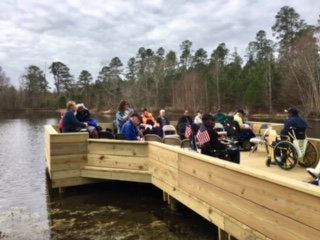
134, 125
77, 118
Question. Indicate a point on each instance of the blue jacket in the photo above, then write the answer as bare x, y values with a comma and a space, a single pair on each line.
70, 122
131, 131
294, 121
119, 122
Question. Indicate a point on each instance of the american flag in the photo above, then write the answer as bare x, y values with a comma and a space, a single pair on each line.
202, 135
188, 130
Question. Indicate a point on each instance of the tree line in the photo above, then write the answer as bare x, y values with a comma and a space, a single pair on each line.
275, 75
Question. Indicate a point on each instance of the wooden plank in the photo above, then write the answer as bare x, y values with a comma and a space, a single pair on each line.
68, 148
116, 174
111, 161
67, 182
69, 137
164, 172
272, 224
50, 129
119, 148
240, 230
64, 174
210, 213
166, 156
48, 159
64, 162
261, 191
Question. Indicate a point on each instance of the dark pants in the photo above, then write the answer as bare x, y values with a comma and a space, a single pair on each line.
231, 154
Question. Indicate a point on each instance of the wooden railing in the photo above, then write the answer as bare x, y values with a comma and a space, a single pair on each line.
244, 202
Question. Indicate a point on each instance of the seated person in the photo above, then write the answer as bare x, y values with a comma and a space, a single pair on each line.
69, 120
293, 121
131, 129
83, 115
246, 131
220, 116
214, 147
162, 120
60, 122
181, 126
198, 118
150, 124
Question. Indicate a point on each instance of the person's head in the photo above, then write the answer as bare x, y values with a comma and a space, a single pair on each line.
135, 118
186, 113
218, 110
162, 112
240, 112
123, 106
199, 113
71, 105
208, 120
144, 112
292, 112
80, 107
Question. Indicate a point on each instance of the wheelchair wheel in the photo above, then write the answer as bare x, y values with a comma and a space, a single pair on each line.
288, 154
310, 157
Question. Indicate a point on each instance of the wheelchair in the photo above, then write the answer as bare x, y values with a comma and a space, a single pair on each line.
292, 150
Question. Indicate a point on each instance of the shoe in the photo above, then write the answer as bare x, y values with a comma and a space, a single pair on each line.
279, 159
313, 172
315, 182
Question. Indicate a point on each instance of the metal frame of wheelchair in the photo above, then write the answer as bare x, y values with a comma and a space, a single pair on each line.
289, 154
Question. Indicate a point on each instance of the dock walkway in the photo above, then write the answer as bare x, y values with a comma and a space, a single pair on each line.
246, 201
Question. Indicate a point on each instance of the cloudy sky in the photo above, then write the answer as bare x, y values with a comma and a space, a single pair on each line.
87, 34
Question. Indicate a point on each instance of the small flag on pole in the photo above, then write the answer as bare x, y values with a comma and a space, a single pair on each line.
188, 130
202, 135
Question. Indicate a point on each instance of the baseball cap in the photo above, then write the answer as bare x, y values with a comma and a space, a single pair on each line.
207, 117
241, 111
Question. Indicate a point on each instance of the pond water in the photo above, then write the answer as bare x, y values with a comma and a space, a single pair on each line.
30, 209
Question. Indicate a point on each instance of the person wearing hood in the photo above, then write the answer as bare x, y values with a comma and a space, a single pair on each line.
83, 115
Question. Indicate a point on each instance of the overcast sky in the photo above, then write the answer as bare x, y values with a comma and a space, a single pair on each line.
86, 34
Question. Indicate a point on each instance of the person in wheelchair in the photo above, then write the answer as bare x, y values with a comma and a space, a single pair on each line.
214, 147
293, 123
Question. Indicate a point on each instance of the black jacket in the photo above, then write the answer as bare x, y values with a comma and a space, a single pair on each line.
213, 144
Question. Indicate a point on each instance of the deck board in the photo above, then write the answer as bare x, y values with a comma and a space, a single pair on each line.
257, 160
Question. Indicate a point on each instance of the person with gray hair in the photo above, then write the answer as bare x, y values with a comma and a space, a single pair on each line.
162, 120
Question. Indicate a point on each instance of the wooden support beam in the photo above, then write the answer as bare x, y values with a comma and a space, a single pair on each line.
116, 174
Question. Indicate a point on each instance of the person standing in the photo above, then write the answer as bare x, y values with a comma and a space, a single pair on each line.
123, 114
69, 120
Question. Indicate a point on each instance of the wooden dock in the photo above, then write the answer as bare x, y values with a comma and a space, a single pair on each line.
246, 201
